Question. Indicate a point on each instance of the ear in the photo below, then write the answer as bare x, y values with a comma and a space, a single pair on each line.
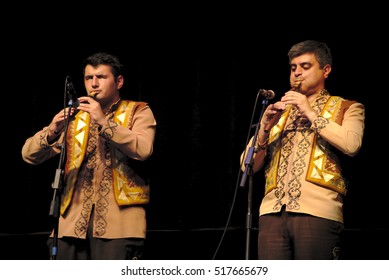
327, 70
120, 81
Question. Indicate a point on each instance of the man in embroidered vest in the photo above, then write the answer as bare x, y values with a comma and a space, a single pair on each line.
300, 141
105, 186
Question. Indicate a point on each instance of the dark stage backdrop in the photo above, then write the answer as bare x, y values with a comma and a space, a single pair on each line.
201, 84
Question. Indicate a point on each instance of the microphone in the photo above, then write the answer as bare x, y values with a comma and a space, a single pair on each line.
267, 94
71, 92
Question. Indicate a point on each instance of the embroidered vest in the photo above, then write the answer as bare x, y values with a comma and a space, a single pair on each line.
128, 188
324, 169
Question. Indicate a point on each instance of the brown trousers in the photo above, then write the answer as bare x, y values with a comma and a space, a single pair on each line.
287, 236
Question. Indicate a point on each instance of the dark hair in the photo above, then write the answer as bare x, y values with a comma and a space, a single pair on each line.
105, 59
321, 51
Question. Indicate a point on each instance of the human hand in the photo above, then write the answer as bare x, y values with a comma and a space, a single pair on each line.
90, 105
57, 124
272, 114
301, 102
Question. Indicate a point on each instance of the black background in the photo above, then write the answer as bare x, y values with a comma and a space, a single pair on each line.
200, 72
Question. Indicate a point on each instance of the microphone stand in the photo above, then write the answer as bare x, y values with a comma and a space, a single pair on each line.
249, 172
55, 204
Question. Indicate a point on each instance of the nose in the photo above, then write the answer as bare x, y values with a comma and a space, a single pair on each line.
298, 71
95, 81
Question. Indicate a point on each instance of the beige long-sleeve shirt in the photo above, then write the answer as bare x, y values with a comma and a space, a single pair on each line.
93, 189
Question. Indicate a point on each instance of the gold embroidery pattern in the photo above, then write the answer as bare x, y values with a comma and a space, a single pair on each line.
324, 169
319, 124
43, 140
287, 144
297, 125
77, 142
109, 131
87, 187
103, 192
129, 189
